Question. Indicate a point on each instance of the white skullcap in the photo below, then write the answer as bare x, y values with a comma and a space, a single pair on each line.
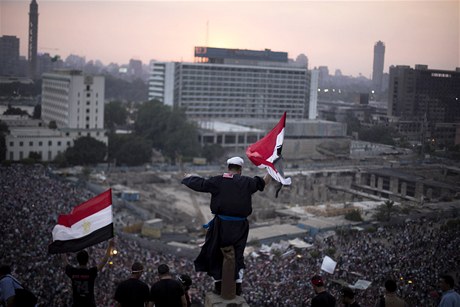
236, 161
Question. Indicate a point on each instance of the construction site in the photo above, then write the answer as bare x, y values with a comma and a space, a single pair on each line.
153, 203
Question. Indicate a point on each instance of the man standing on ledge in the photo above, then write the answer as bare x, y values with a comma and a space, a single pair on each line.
231, 204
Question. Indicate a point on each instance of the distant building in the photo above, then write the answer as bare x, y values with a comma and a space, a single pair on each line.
232, 137
425, 103
9, 56
135, 68
416, 93
47, 63
33, 38
73, 100
47, 143
377, 68
161, 82
234, 83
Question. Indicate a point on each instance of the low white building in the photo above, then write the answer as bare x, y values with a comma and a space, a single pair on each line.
48, 143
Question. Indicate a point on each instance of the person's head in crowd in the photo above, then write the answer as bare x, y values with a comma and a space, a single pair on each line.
390, 286
82, 257
318, 283
446, 282
163, 270
137, 269
235, 164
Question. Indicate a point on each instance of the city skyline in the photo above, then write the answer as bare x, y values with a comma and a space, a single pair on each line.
340, 34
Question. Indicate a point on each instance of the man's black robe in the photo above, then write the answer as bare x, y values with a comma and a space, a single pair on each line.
231, 202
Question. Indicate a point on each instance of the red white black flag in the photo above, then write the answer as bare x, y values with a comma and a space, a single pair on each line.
266, 153
88, 224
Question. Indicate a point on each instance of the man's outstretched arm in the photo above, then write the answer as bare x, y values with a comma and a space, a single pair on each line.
108, 252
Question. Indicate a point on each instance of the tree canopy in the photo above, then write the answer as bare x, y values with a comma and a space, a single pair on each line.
168, 130
86, 150
115, 114
129, 150
119, 89
15, 111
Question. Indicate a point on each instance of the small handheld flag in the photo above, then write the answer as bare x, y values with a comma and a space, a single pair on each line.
266, 153
88, 224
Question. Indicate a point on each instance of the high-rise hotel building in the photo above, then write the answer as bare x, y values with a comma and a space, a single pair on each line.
233, 83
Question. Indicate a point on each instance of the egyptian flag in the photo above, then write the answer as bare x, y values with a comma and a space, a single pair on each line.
266, 153
89, 223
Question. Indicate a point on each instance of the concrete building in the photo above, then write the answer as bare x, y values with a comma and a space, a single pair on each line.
73, 100
234, 83
47, 143
233, 138
377, 67
9, 55
419, 92
161, 82
135, 68
424, 103
25, 138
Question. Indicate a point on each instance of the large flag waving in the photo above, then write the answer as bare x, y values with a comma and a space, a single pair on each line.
89, 223
266, 153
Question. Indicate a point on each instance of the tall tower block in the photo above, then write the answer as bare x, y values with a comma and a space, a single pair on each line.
377, 70
33, 38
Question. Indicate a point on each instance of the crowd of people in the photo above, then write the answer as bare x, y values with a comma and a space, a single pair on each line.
414, 254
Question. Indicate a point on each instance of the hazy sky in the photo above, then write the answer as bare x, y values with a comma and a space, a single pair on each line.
338, 34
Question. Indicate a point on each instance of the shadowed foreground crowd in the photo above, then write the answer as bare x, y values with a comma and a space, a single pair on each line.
413, 253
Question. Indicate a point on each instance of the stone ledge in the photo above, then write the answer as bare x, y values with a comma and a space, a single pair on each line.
214, 300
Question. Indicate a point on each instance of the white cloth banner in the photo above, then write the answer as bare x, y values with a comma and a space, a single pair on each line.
328, 265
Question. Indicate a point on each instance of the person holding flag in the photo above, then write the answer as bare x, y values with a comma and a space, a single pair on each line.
83, 277
88, 224
231, 204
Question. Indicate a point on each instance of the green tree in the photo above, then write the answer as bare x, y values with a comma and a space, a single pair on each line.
389, 206
354, 215
129, 150
115, 113
152, 122
182, 137
86, 150
119, 89
168, 130
15, 111
385, 210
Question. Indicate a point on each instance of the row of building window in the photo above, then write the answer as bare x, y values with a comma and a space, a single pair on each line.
40, 143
